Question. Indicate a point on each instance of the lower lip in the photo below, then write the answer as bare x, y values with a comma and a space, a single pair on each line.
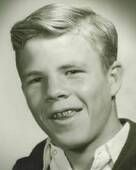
65, 120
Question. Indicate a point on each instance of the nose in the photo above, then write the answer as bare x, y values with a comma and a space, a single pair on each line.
56, 89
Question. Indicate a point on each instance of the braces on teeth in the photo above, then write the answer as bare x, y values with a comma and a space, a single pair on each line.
64, 114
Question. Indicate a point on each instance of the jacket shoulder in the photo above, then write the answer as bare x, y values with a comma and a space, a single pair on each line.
33, 161
127, 157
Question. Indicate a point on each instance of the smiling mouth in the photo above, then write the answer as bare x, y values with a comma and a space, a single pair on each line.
65, 114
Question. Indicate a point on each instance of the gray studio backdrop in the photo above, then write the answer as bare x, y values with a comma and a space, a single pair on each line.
18, 130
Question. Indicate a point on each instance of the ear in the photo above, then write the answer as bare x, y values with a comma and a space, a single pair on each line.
115, 77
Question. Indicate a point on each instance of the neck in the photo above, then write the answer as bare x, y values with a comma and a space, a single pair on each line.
82, 158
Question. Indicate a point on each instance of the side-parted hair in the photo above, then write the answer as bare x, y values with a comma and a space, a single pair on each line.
54, 20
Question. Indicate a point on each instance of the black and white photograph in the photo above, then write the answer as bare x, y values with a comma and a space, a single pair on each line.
68, 85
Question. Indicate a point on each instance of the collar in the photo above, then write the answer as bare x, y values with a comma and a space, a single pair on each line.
115, 145
56, 159
107, 154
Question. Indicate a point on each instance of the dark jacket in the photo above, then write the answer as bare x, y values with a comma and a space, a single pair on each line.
125, 161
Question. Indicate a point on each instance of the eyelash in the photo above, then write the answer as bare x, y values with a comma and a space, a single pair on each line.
35, 80
72, 72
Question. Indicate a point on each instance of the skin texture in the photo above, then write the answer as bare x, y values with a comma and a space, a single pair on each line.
66, 73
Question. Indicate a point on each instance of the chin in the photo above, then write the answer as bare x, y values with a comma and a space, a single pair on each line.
70, 142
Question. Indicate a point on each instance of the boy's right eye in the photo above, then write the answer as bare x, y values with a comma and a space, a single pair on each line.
35, 80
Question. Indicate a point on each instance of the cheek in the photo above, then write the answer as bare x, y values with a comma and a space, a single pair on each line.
86, 90
33, 97
35, 102
100, 104
94, 94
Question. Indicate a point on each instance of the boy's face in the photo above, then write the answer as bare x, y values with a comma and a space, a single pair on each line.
66, 89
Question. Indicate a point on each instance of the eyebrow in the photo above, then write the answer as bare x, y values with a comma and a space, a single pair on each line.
76, 65
32, 73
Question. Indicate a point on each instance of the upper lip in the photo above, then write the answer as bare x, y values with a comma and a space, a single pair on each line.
51, 113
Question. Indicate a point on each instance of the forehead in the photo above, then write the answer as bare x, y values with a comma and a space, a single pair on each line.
66, 49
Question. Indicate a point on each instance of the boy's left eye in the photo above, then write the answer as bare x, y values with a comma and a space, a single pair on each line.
71, 72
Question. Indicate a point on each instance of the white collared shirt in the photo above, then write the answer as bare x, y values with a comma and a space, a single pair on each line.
109, 152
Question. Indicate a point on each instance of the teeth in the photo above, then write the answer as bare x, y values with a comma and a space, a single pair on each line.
65, 114
59, 114
70, 111
55, 116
